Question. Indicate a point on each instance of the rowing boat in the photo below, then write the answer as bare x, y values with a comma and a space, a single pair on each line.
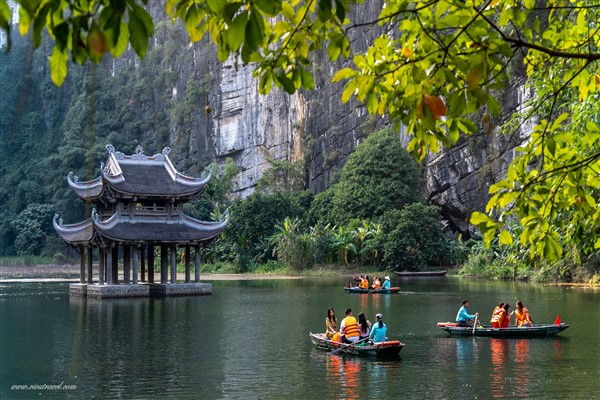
383, 349
543, 330
355, 289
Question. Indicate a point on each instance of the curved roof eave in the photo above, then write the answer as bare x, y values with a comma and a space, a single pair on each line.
78, 233
85, 190
184, 230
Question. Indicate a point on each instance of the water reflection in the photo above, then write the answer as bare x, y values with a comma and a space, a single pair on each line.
499, 349
343, 373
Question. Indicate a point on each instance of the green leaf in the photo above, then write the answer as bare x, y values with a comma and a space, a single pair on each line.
235, 31
344, 73
288, 11
137, 35
552, 249
269, 7
333, 50
324, 10
217, 6
466, 125
58, 65
308, 81
121, 44
254, 32
494, 106
478, 218
144, 17
506, 238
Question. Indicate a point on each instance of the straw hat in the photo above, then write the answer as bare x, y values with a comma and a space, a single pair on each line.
387, 277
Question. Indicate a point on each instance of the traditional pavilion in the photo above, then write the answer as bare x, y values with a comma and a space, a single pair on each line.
137, 206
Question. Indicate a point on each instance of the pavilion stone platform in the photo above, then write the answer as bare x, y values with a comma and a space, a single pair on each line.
140, 290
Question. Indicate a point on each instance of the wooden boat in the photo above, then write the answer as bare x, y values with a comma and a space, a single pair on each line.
356, 289
544, 330
384, 349
420, 274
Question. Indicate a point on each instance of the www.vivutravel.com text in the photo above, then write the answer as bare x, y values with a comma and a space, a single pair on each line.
44, 386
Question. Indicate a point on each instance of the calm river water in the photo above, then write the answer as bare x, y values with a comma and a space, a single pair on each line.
249, 339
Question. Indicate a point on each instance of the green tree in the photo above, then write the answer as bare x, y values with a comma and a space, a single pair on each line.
32, 226
254, 220
292, 246
379, 176
435, 69
414, 238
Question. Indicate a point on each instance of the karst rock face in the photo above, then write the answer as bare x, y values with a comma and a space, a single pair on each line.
315, 126
228, 118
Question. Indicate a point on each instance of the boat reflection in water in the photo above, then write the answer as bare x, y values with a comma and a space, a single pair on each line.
343, 373
499, 350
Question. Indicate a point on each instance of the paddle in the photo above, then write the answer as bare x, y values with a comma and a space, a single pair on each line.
475, 325
345, 346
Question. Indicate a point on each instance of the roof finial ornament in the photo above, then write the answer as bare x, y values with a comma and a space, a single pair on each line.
110, 148
139, 149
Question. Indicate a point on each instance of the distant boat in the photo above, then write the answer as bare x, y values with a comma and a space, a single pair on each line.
383, 349
544, 330
356, 289
418, 274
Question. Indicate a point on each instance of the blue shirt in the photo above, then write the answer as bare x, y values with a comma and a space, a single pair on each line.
378, 334
386, 284
463, 315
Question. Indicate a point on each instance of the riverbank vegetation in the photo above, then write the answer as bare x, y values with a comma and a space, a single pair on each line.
542, 220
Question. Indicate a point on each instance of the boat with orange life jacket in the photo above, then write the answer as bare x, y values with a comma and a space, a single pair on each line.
389, 348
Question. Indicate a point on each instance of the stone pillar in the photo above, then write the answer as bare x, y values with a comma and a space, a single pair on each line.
187, 263
90, 260
115, 263
151, 264
101, 261
164, 263
82, 263
126, 264
143, 262
136, 252
109, 265
197, 264
173, 264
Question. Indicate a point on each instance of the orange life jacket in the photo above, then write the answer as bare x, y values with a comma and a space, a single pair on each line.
364, 283
350, 327
376, 284
497, 315
522, 316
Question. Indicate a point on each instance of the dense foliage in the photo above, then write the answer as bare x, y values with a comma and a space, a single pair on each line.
379, 176
414, 236
436, 64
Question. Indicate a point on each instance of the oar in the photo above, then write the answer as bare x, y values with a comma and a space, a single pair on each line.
475, 325
345, 346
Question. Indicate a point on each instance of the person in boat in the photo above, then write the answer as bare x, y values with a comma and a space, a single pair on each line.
349, 328
386, 283
378, 330
362, 282
330, 324
522, 317
376, 283
506, 321
463, 318
364, 326
497, 315
365, 282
